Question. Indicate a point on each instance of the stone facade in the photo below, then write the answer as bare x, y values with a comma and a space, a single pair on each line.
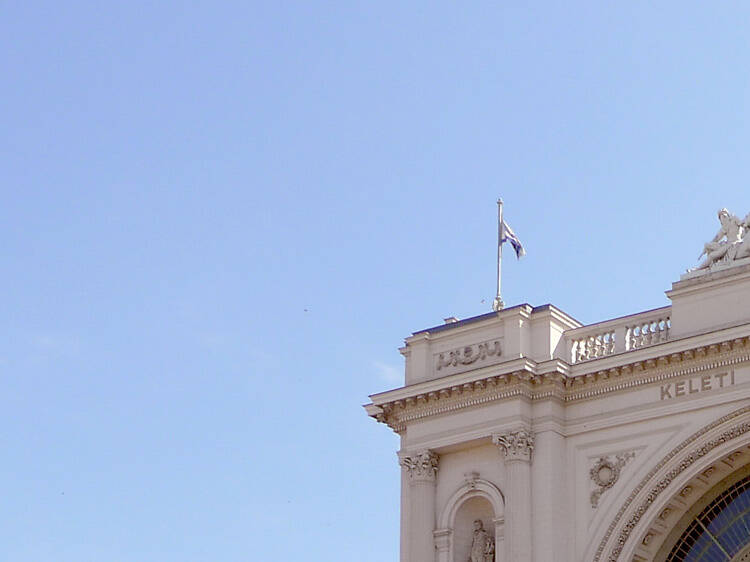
573, 443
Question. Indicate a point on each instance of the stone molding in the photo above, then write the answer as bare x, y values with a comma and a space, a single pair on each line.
421, 466
558, 385
515, 445
443, 540
657, 487
668, 524
474, 486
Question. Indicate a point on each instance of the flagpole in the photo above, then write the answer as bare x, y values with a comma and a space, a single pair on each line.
498, 304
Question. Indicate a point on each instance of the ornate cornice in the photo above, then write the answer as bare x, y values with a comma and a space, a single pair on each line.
515, 445
421, 466
558, 385
398, 413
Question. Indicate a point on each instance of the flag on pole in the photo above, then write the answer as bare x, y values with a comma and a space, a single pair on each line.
507, 235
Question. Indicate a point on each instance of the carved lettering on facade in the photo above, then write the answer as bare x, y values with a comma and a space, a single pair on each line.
469, 354
694, 385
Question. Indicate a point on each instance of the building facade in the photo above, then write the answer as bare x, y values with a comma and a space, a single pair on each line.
526, 436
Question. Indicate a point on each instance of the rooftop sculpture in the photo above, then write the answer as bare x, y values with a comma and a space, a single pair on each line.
729, 244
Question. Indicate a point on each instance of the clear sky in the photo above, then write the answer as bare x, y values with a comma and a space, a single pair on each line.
220, 219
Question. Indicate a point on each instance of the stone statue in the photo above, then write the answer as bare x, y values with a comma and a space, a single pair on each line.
729, 243
482, 545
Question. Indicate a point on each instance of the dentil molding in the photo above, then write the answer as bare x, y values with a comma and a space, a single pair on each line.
558, 385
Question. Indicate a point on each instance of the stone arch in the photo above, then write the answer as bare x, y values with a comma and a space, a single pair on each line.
711, 510
474, 488
673, 485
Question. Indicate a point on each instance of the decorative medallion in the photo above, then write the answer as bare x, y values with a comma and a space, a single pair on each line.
606, 472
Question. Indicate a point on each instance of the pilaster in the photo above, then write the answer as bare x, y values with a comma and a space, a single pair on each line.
549, 499
516, 448
421, 470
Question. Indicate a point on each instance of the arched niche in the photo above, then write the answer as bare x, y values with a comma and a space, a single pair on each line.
476, 499
473, 509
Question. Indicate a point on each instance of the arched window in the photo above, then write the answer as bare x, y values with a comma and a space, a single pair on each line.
721, 532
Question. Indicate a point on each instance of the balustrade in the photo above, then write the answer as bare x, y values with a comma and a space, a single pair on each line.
650, 332
619, 335
593, 346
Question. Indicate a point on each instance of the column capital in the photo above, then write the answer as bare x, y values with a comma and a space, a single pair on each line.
421, 466
515, 445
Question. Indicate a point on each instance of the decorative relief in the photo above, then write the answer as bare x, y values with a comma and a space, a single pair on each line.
665, 513
469, 354
471, 479
685, 463
422, 466
516, 445
605, 473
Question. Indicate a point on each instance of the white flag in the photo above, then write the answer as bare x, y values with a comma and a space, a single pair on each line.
507, 235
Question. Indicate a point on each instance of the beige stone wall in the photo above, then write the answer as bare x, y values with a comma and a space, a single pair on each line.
560, 436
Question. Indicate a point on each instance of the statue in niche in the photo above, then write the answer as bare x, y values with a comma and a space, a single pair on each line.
729, 243
482, 545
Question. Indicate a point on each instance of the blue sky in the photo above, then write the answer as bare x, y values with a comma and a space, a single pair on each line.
220, 219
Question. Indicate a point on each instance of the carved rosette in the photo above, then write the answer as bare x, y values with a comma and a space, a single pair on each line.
515, 445
422, 466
